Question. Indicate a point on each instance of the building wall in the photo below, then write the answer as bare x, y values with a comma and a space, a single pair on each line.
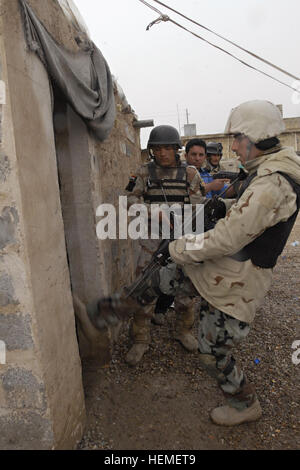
48, 243
42, 403
93, 173
114, 161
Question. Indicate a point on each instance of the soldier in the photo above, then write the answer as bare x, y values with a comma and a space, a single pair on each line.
164, 179
214, 154
231, 266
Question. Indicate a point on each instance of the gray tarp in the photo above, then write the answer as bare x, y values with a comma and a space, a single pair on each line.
83, 77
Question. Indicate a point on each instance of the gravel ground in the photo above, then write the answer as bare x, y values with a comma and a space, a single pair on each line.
164, 402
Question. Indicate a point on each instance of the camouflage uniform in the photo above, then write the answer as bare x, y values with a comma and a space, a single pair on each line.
193, 192
212, 169
232, 285
213, 148
218, 333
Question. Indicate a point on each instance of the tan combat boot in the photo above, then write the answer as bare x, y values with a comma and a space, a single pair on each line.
140, 333
229, 416
136, 353
183, 329
187, 340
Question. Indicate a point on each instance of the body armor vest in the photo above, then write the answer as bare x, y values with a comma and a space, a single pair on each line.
212, 169
171, 189
266, 248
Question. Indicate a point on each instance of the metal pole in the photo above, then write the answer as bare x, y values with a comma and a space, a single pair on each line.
179, 125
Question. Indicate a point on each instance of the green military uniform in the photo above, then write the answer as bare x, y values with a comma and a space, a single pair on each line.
154, 184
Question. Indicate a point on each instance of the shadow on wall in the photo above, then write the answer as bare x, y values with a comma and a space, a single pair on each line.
76, 194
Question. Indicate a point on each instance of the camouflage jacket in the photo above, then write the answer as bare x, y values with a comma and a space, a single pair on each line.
234, 287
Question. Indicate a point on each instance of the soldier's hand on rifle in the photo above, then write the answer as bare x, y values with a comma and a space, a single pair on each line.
214, 210
162, 255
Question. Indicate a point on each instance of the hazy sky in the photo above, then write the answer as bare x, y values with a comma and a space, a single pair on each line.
165, 68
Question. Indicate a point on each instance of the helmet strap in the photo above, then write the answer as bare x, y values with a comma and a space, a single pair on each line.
267, 143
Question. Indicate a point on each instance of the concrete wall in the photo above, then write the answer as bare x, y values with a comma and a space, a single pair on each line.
41, 395
52, 180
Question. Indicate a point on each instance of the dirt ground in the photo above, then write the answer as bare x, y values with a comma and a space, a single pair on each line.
164, 402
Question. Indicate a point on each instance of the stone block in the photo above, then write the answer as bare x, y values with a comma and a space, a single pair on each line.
23, 390
25, 431
15, 331
7, 294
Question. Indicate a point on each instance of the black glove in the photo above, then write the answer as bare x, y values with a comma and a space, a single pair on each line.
214, 210
162, 254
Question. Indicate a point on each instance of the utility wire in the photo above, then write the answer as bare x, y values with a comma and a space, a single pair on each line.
229, 41
167, 18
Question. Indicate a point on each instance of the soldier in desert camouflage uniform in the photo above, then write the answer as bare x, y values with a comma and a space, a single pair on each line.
231, 266
214, 153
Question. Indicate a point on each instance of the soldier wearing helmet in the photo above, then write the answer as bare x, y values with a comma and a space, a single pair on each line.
231, 265
214, 154
165, 180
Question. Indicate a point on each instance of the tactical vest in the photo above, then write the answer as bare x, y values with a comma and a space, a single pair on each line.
168, 189
211, 169
266, 248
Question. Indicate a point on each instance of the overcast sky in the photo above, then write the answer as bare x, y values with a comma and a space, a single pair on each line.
165, 68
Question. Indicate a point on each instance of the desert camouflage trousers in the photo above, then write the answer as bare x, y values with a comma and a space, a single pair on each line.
218, 333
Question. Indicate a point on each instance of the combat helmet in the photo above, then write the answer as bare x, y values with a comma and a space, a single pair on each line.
164, 135
214, 148
259, 120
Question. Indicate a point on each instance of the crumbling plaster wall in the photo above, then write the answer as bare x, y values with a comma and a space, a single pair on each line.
41, 395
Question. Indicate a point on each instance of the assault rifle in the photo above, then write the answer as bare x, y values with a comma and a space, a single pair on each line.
226, 175
111, 307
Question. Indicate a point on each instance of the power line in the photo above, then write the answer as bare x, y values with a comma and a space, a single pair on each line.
229, 41
167, 18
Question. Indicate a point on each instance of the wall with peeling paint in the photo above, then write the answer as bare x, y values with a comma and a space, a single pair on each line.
52, 179
41, 404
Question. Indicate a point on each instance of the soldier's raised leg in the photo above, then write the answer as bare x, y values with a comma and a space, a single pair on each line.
218, 334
